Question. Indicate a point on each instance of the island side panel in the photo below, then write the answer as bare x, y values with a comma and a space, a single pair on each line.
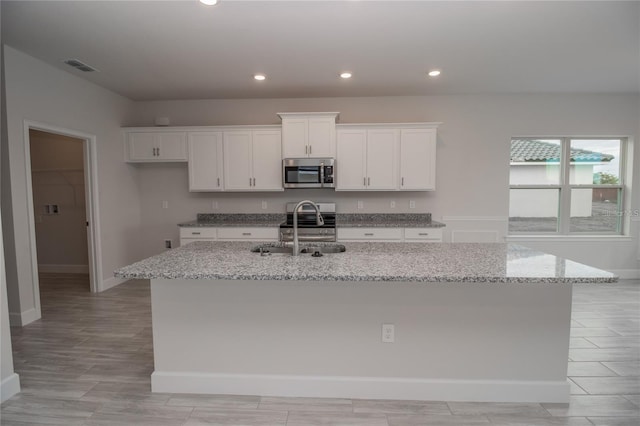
453, 341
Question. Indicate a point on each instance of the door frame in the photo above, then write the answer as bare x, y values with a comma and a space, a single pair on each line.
91, 204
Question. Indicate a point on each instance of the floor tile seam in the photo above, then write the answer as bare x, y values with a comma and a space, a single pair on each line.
580, 387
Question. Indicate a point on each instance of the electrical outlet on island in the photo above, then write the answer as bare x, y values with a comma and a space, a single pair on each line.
412, 204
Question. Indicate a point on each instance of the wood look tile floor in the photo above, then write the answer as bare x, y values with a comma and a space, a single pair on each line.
88, 362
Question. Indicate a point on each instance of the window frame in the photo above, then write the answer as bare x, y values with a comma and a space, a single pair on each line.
565, 186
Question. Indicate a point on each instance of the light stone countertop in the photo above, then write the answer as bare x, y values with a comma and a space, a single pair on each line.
410, 262
343, 220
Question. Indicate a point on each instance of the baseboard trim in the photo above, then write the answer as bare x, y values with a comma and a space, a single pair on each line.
361, 387
19, 319
9, 387
627, 274
64, 269
110, 283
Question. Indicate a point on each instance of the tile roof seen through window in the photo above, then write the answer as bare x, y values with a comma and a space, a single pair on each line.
523, 150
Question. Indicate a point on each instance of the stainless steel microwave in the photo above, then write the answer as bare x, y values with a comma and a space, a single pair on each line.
309, 173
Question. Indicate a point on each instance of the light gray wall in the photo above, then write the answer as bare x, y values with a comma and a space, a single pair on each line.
9, 381
38, 92
57, 176
472, 158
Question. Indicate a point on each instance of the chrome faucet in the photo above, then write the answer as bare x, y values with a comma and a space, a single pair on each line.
319, 222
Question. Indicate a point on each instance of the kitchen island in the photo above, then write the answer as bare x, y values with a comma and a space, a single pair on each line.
472, 322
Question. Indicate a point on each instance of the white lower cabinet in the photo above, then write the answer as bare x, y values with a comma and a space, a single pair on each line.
189, 235
228, 233
409, 235
426, 235
247, 233
369, 234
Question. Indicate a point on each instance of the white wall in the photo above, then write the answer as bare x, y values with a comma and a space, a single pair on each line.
38, 92
472, 165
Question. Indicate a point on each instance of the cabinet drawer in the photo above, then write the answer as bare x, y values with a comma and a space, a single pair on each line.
248, 233
423, 234
208, 233
370, 234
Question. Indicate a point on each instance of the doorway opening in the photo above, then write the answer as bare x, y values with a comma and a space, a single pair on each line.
57, 182
61, 174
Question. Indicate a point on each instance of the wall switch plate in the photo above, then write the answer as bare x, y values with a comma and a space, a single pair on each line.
412, 204
392, 204
264, 205
165, 204
167, 244
215, 205
360, 205
388, 333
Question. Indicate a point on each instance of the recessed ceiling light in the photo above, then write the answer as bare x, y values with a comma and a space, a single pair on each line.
345, 75
434, 73
209, 2
260, 77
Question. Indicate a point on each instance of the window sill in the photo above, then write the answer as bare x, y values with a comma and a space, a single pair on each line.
569, 238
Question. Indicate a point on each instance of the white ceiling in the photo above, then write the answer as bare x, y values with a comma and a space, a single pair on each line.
184, 50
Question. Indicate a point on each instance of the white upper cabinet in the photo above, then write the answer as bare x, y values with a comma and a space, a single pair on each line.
382, 159
386, 157
418, 159
252, 160
205, 161
310, 135
267, 160
156, 146
367, 159
351, 160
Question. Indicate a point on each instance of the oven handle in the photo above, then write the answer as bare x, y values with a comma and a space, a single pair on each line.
322, 174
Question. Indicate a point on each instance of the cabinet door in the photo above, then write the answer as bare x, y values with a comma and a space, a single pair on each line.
417, 159
141, 146
205, 161
322, 137
351, 159
267, 160
172, 146
382, 159
294, 137
237, 160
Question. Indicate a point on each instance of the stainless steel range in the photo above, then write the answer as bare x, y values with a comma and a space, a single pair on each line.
307, 228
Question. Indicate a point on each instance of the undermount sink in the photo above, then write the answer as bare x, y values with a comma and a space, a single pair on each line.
313, 250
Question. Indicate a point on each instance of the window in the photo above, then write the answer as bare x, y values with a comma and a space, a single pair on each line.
566, 186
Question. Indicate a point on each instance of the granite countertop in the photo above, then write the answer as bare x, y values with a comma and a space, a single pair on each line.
411, 262
386, 220
343, 220
236, 220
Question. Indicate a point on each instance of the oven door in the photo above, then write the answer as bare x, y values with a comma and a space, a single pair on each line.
297, 174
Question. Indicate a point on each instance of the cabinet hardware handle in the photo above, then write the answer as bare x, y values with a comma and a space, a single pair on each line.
154, 152
368, 234
368, 181
254, 181
306, 149
158, 151
246, 233
423, 233
249, 181
195, 233
218, 181
364, 181
402, 182
310, 149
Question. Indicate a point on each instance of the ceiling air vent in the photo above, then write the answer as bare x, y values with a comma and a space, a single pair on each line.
79, 65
